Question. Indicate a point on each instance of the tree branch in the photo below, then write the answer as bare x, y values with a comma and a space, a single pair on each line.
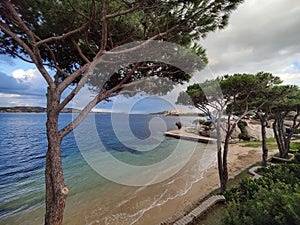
99, 97
77, 11
122, 13
80, 52
82, 115
104, 27
29, 51
63, 85
19, 21
18, 55
64, 36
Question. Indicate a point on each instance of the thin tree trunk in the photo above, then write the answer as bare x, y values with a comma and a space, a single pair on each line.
279, 138
219, 154
222, 158
56, 191
224, 177
287, 143
263, 124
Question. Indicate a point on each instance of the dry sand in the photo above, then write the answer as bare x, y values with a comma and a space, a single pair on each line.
239, 158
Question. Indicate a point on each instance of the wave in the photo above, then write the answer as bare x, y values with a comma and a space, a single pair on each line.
176, 187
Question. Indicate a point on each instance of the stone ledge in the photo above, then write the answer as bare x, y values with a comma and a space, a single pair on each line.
200, 210
282, 160
181, 134
253, 170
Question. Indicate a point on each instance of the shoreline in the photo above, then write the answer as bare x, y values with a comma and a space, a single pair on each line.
239, 159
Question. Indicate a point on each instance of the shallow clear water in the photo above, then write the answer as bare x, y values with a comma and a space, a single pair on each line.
116, 166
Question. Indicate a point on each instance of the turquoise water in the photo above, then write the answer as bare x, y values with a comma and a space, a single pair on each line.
117, 167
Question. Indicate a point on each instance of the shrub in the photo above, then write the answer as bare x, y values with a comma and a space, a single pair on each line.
178, 124
277, 207
297, 157
199, 121
297, 131
271, 200
244, 134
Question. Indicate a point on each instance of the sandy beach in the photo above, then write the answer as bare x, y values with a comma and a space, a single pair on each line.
239, 158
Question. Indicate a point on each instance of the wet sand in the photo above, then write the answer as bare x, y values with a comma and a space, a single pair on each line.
239, 158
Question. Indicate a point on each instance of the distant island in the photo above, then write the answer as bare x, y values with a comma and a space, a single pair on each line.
177, 112
37, 109
32, 109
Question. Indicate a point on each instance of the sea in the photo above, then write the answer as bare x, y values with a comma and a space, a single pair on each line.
117, 167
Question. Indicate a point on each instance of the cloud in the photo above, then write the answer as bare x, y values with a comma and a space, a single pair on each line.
22, 88
33, 78
10, 85
261, 36
23, 82
290, 74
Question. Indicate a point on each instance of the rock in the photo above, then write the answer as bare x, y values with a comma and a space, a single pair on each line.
234, 136
254, 131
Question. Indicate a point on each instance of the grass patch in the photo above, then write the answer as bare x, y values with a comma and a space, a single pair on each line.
271, 144
213, 216
190, 129
289, 156
271, 139
233, 182
295, 145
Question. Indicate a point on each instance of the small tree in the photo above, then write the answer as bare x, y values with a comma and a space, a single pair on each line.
228, 93
71, 37
179, 125
263, 110
280, 110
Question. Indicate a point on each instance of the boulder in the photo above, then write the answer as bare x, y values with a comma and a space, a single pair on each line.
254, 131
234, 136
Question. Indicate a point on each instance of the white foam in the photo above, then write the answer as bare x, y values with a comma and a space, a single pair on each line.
195, 174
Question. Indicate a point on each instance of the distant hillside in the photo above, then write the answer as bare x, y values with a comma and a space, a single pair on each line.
31, 109
177, 112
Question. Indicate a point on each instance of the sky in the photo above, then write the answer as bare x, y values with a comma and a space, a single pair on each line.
261, 36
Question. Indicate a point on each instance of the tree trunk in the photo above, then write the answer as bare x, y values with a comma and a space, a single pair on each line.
287, 144
279, 135
263, 124
222, 158
56, 191
221, 171
224, 177
219, 155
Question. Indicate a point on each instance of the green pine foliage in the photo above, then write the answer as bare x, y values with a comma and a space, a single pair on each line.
244, 133
273, 199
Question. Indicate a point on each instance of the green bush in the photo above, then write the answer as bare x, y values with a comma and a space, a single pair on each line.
273, 199
244, 134
199, 121
279, 206
297, 131
297, 157
178, 124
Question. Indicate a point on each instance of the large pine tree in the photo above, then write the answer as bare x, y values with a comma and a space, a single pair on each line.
70, 37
